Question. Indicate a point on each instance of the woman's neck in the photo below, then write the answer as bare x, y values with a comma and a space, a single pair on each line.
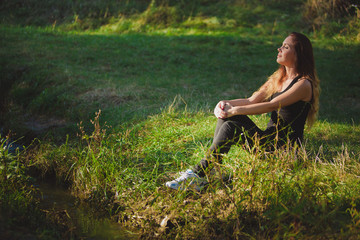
291, 73
287, 79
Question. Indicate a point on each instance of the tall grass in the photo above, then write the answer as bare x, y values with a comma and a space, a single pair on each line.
318, 14
156, 71
289, 194
20, 214
144, 16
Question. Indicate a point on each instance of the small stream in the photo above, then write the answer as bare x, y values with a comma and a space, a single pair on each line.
84, 218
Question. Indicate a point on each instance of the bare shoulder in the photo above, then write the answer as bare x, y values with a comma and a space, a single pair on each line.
306, 86
304, 81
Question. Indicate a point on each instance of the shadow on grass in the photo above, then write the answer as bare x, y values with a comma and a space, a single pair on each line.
74, 75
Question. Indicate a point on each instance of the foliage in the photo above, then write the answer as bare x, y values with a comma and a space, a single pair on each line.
292, 193
20, 215
143, 16
156, 69
332, 16
315, 9
11, 168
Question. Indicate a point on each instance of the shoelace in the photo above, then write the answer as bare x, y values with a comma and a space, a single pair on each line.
184, 176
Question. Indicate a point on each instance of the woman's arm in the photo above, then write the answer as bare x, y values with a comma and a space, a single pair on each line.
257, 97
301, 90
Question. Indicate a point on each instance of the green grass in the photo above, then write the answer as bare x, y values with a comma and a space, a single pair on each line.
308, 196
156, 84
70, 75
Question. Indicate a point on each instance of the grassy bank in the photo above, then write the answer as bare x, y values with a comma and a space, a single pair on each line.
156, 84
313, 195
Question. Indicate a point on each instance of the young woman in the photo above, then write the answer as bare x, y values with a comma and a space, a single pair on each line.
291, 94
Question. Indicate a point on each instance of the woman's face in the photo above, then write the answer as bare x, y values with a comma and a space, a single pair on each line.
286, 53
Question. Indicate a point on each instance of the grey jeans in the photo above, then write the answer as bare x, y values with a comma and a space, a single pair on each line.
240, 130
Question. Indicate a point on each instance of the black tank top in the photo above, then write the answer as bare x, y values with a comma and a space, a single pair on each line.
290, 119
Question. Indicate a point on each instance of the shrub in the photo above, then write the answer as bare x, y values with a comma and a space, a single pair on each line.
316, 12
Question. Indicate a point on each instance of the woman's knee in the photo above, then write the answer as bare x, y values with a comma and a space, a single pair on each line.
229, 128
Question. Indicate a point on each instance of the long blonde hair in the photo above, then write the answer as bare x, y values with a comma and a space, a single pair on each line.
305, 66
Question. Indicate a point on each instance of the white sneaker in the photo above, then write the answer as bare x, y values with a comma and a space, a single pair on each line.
187, 179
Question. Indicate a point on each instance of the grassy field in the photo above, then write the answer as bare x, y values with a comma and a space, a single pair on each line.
120, 103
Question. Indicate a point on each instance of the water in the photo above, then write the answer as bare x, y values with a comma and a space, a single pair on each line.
85, 219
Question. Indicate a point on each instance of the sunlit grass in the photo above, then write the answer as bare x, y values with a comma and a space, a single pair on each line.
73, 75
156, 86
304, 194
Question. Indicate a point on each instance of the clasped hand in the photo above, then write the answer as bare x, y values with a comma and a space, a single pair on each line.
222, 109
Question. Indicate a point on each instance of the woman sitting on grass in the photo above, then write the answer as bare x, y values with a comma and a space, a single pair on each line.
291, 94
